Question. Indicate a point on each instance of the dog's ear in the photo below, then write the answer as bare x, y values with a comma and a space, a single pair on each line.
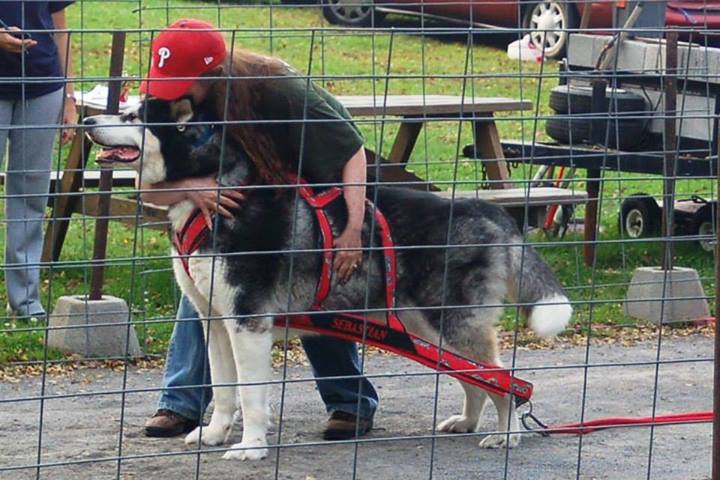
182, 110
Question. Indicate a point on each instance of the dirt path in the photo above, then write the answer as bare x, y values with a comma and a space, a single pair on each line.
86, 428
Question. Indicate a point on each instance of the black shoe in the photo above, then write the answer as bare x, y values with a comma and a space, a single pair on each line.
345, 426
166, 423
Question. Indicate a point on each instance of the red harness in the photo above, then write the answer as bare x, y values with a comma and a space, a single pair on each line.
389, 335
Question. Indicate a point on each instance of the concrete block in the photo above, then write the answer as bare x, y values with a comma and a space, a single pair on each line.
680, 288
91, 336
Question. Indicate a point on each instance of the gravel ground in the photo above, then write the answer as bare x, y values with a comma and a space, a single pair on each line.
86, 428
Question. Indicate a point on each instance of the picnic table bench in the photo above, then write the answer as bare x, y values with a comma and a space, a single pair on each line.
414, 110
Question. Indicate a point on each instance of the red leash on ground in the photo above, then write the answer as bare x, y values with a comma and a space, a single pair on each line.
590, 426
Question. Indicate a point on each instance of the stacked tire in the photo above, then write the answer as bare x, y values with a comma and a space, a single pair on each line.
621, 118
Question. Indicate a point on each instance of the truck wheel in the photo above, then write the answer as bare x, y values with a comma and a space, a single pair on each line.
640, 216
703, 227
578, 99
351, 13
624, 133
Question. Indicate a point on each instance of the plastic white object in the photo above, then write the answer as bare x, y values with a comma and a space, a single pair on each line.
524, 50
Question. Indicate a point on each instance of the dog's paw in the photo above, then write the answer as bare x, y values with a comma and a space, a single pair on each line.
210, 436
500, 440
458, 424
241, 451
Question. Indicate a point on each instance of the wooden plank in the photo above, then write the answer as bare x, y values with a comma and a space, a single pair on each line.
429, 105
518, 197
90, 178
489, 149
124, 210
404, 142
396, 173
63, 204
591, 215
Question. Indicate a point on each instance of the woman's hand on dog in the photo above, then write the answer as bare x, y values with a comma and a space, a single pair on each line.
347, 261
204, 195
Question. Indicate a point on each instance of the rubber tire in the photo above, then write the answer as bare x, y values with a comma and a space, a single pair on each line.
366, 21
564, 130
702, 216
575, 99
573, 21
650, 213
298, 2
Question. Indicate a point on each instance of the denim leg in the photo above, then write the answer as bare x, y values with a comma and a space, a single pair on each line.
27, 183
186, 365
331, 357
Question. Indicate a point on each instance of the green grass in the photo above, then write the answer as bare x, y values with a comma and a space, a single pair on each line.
345, 62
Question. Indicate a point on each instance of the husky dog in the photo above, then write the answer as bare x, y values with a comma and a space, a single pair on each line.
456, 264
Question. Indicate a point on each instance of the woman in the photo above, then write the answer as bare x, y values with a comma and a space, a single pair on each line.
296, 127
37, 104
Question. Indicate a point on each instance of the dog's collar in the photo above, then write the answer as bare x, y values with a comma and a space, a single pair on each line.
208, 132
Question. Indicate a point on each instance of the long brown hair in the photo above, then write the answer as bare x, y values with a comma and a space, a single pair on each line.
248, 89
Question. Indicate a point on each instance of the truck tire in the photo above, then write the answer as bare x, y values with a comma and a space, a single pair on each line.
361, 13
640, 216
574, 99
624, 133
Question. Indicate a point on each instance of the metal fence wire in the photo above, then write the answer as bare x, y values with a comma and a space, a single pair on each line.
521, 159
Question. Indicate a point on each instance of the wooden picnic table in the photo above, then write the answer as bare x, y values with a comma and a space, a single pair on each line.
414, 110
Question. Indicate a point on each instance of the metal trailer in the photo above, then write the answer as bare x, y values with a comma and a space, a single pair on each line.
640, 66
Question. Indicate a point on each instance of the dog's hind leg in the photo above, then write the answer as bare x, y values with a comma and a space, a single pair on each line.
251, 348
507, 422
473, 335
222, 371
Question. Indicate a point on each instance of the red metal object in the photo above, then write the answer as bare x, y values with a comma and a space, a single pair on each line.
583, 428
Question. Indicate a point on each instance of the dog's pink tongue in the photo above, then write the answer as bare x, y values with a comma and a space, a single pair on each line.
118, 154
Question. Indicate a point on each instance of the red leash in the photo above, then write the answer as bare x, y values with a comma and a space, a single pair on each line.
590, 426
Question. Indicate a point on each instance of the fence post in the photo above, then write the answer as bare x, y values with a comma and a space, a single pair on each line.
716, 375
105, 186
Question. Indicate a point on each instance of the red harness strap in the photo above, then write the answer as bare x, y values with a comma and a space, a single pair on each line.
188, 240
390, 335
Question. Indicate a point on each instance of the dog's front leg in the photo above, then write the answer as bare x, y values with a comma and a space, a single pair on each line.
251, 350
222, 371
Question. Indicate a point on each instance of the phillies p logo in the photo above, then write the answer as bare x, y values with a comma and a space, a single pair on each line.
164, 54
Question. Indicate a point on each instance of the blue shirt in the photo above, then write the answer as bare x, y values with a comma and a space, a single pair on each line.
42, 60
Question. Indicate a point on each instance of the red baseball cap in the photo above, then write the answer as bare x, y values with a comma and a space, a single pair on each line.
187, 48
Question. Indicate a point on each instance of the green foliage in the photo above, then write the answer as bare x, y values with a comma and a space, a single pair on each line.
346, 62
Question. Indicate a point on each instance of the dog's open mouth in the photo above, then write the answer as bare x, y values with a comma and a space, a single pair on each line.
118, 154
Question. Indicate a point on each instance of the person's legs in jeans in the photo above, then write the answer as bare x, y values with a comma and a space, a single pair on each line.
333, 357
186, 365
27, 182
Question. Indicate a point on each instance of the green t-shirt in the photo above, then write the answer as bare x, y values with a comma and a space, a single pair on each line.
313, 131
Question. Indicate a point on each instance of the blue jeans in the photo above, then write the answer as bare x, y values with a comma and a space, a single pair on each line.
187, 366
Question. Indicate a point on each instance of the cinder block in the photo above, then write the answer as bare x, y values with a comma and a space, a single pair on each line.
666, 296
99, 327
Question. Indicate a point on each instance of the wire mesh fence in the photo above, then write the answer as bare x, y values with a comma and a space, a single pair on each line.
448, 182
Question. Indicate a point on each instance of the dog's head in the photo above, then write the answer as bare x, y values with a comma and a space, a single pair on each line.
162, 140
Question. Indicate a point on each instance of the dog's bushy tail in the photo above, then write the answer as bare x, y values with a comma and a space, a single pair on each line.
547, 307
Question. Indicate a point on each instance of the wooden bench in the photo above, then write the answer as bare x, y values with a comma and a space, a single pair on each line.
90, 179
515, 200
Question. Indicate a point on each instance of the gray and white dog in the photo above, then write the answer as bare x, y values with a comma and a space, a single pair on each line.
452, 277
